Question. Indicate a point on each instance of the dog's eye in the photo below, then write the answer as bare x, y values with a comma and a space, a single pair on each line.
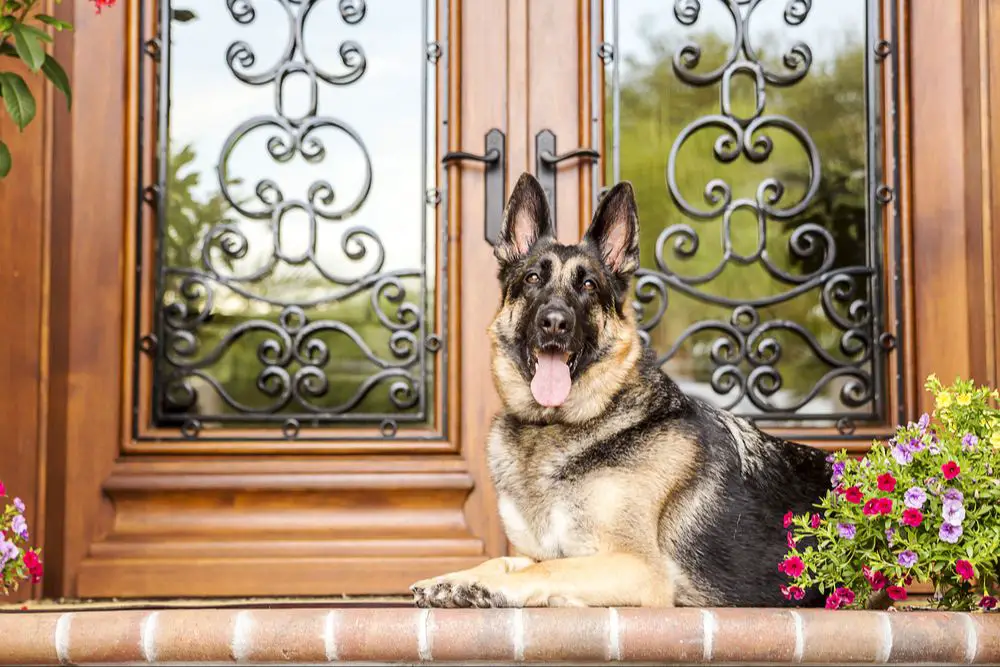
589, 285
532, 278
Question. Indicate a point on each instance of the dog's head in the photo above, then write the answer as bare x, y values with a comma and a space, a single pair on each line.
565, 315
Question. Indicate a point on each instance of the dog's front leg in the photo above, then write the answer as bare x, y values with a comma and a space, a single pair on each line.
604, 580
459, 589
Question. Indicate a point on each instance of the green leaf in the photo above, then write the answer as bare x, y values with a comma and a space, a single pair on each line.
54, 22
57, 75
37, 32
5, 23
18, 99
5, 160
29, 47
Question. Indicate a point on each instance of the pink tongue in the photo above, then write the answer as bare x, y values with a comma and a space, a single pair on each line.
551, 383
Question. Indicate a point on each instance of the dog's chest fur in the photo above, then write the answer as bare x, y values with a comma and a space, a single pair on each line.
548, 508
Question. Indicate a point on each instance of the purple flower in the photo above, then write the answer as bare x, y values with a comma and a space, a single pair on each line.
949, 533
19, 504
969, 441
902, 455
915, 497
838, 470
19, 526
915, 445
847, 530
954, 495
8, 550
925, 421
907, 558
829, 458
953, 512
890, 535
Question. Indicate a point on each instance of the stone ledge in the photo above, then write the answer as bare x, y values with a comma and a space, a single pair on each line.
505, 636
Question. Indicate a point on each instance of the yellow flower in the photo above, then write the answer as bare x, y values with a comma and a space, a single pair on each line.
964, 399
943, 399
995, 439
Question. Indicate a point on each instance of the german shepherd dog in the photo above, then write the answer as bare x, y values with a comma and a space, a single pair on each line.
614, 487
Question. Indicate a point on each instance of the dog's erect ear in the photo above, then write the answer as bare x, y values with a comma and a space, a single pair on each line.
526, 219
614, 231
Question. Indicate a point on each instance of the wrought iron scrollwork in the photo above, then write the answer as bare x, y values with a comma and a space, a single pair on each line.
298, 335
748, 347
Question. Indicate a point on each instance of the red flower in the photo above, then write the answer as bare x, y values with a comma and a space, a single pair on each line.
846, 595
871, 507
988, 602
814, 521
30, 559
874, 577
853, 495
787, 521
908, 580
896, 593
99, 4
887, 483
950, 470
833, 601
964, 569
790, 540
791, 592
3, 490
884, 505
912, 517
792, 566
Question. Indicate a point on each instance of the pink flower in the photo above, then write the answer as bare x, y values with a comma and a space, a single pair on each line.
884, 505
846, 595
950, 470
988, 602
887, 482
871, 507
787, 520
814, 521
896, 593
964, 569
832, 601
853, 495
912, 517
790, 541
792, 566
3, 490
875, 578
99, 4
791, 592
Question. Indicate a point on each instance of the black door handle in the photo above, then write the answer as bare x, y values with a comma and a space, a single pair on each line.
546, 160
496, 165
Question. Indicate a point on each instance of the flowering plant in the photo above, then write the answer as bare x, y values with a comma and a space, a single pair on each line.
18, 561
921, 507
25, 40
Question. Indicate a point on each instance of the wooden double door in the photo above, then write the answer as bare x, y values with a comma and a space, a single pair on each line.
253, 269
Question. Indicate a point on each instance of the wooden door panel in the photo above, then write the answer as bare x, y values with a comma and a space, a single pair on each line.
256, 486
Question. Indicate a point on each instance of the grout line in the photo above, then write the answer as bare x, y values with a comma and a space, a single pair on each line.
886, 648
799, 636
971, 638
330, 636
423, 639
614, 638
147, 637
708, 638
518, 638
61, 637
239, 647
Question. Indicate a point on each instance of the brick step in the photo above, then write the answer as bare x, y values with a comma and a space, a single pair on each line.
497, 636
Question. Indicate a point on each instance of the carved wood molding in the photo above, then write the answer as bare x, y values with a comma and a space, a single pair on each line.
322, 527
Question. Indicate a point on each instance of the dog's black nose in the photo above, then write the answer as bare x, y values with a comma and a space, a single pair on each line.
556, 321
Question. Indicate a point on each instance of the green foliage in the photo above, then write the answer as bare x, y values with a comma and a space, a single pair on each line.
24, 37
829, 103
922, 507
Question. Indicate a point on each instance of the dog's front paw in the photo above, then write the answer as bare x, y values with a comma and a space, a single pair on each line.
455, 593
